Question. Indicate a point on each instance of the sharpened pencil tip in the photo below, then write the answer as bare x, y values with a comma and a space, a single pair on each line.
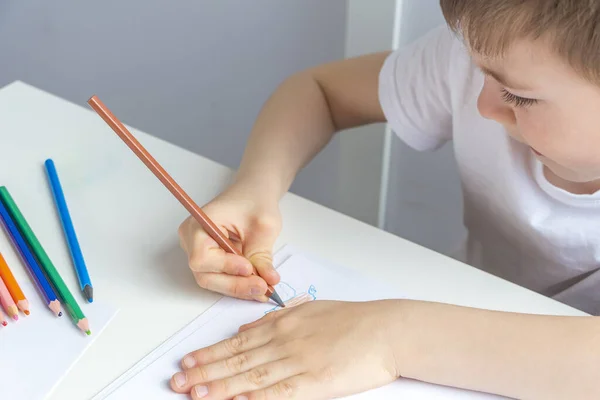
88, 332
275, 297
88, 291
16, 317
4, 323
26, 312
60, 314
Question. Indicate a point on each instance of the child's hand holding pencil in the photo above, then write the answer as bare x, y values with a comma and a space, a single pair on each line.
248, 236
253, 226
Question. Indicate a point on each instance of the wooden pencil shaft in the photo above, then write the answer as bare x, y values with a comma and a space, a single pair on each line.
162, 175
40, 254
10, 281
27, 258
211, 229
6, 299
67, 224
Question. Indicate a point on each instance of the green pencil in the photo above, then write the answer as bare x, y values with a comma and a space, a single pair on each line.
52, 274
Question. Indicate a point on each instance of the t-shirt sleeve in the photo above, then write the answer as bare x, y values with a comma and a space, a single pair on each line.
414, 90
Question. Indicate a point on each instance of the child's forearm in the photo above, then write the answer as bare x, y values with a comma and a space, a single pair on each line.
302, 116
293, 126
515, 355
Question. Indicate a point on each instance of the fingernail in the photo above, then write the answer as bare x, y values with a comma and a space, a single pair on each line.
201, 391
180, 379
256, 291
189, 362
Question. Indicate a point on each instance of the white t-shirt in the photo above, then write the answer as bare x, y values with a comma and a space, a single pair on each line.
521, 227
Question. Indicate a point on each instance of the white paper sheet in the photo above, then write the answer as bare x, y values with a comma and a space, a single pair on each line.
278, 258
303, 276
38, 350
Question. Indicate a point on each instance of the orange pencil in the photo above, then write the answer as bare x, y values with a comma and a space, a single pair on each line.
7, 302
13, 287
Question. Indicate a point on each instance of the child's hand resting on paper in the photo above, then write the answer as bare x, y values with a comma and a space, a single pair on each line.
317, 350
253, 225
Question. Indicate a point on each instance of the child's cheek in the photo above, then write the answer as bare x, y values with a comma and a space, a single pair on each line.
533, 127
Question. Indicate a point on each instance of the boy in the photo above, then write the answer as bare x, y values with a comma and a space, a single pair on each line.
519, 98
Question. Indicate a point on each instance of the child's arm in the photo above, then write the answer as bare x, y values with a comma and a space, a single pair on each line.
350, 347
516, 355
297, 121
301, 117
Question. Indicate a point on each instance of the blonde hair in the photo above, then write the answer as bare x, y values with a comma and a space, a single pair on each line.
570, 27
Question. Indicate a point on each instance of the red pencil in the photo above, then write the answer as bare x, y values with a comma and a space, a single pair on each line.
3, 320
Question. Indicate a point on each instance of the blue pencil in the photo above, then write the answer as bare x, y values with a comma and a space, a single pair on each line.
69, 230
30, 262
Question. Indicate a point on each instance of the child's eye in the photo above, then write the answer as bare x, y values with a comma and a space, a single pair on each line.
517, 101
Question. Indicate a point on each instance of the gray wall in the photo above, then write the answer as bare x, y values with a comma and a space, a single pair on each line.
196, 72
192, 72
424, 202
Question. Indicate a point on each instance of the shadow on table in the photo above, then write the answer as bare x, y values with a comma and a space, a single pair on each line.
172, 266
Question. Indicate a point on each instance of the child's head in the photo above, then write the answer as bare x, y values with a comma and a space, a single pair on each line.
542, 65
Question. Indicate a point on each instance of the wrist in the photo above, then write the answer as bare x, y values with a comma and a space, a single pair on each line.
401, 339
258, 195
266, 187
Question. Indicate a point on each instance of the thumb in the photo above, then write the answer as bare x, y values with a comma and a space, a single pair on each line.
258, 249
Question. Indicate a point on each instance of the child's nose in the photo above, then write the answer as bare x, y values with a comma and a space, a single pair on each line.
491, 105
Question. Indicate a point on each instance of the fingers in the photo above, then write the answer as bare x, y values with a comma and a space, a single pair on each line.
258, 248
262, 260
301, 386
261, 377
238, 365
205, 255
225, 349
261, 321
243, 287
206, 259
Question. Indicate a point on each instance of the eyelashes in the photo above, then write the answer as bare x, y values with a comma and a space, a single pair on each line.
517, 101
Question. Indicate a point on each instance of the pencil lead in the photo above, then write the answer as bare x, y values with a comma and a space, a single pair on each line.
55, 308
275, 297
88, 291
88, 332
26, 312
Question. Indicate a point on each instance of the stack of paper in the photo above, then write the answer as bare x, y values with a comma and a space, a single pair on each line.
306, 278
37, 351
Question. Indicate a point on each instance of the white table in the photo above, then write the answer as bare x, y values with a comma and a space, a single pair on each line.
127, 224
